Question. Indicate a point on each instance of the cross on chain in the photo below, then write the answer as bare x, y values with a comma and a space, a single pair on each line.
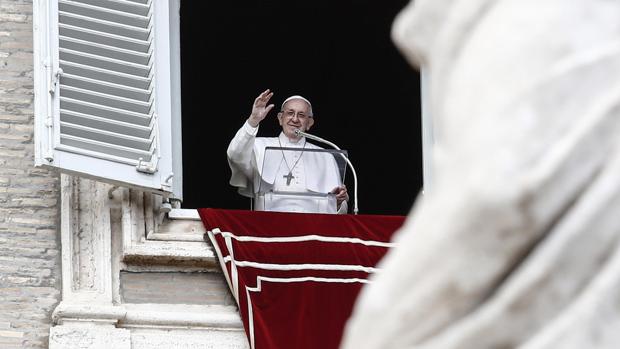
288, 177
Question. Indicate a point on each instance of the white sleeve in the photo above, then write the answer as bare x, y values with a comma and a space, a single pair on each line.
240, 157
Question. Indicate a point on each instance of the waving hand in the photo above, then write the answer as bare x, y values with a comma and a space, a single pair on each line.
260, 109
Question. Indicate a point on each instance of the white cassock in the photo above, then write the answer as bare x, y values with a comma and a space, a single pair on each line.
313, 172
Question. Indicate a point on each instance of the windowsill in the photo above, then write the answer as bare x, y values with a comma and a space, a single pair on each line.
184, 214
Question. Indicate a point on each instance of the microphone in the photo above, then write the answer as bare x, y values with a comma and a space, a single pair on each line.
299, 132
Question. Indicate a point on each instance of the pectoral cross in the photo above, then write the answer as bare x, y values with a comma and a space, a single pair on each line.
288, 177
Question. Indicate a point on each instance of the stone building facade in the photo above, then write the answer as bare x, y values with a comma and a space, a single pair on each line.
30, 274
85, 264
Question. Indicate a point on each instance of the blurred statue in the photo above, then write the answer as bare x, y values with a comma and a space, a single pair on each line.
517, 242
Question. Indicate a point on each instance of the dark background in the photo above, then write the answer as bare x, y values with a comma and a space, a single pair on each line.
338, 54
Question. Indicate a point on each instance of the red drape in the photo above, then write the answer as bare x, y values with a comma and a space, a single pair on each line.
296, 276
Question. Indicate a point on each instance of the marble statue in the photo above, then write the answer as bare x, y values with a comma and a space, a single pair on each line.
517, 242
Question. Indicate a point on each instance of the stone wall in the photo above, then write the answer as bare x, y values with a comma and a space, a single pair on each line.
92, 313
29, 197
200, 288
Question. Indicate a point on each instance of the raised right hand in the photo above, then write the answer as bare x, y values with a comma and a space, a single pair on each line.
260, 109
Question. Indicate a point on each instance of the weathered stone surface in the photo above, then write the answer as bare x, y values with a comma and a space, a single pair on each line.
29, 246
30, 241
175, 288
73, 337
185, 339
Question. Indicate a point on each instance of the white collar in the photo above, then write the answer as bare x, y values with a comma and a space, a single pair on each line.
286, 142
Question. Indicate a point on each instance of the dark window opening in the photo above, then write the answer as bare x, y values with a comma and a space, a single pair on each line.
338, 54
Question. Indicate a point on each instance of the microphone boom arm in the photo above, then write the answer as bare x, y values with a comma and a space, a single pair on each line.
319, 139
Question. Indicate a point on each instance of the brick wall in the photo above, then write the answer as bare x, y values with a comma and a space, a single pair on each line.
29, 197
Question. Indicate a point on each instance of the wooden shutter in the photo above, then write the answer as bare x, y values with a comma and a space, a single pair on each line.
106, 68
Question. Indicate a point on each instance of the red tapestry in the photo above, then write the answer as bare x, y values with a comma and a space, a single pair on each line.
296, 276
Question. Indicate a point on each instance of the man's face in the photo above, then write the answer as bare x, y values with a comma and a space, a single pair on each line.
295, 114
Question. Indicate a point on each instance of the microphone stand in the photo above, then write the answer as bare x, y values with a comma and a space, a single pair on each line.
299, 132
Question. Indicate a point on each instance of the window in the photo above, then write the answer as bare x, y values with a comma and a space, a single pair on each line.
337, 54
108, 103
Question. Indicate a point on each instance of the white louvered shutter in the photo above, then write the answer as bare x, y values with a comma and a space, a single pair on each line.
110, 87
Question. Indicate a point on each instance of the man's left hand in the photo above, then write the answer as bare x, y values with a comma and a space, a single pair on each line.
341, 194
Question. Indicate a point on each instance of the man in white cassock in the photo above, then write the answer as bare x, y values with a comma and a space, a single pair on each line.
305, 171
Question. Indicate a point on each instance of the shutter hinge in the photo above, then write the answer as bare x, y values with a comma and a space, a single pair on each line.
55, 78
52, 83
